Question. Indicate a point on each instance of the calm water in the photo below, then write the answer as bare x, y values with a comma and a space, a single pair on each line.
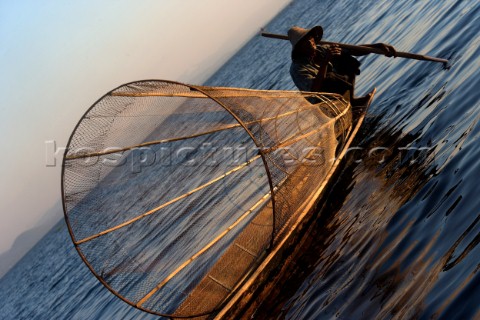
400, 236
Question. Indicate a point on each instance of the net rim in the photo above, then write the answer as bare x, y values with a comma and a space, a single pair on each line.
200, 89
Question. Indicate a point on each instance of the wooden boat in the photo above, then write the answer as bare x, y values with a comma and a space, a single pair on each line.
197, 235
253, 283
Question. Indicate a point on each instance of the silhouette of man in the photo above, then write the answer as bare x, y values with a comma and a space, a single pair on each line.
318, 67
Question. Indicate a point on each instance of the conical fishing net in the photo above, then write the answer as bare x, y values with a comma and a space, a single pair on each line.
174, 193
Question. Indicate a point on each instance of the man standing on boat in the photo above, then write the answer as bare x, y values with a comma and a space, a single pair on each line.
326, 68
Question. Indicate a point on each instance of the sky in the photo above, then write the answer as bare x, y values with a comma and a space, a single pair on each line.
58, 57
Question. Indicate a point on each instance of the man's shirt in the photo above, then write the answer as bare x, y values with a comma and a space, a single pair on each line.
303, 70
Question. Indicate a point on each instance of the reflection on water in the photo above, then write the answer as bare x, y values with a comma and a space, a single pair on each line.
349, 255
398, 237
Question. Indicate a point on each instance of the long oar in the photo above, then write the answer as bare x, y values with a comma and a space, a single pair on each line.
364, 49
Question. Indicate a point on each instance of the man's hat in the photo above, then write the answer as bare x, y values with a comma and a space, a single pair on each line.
298, 34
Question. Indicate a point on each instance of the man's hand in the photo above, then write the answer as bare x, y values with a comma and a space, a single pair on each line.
335, 50
387, 49
328, 52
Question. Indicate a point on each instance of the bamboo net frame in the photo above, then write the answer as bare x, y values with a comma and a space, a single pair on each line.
172, 193
151, 143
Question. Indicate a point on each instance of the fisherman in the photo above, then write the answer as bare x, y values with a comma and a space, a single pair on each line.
319, 67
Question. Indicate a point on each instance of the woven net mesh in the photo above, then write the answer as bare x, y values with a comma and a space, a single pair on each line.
174, 193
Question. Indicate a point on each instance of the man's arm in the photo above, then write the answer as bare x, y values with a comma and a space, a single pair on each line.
323, 61
388, 50
321, 75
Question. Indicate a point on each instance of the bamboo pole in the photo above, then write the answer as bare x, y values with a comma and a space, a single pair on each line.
163, 141
129, 222
203, 250
293, 140
365, 49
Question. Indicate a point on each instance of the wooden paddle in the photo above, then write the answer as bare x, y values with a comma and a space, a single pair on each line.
364, 49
